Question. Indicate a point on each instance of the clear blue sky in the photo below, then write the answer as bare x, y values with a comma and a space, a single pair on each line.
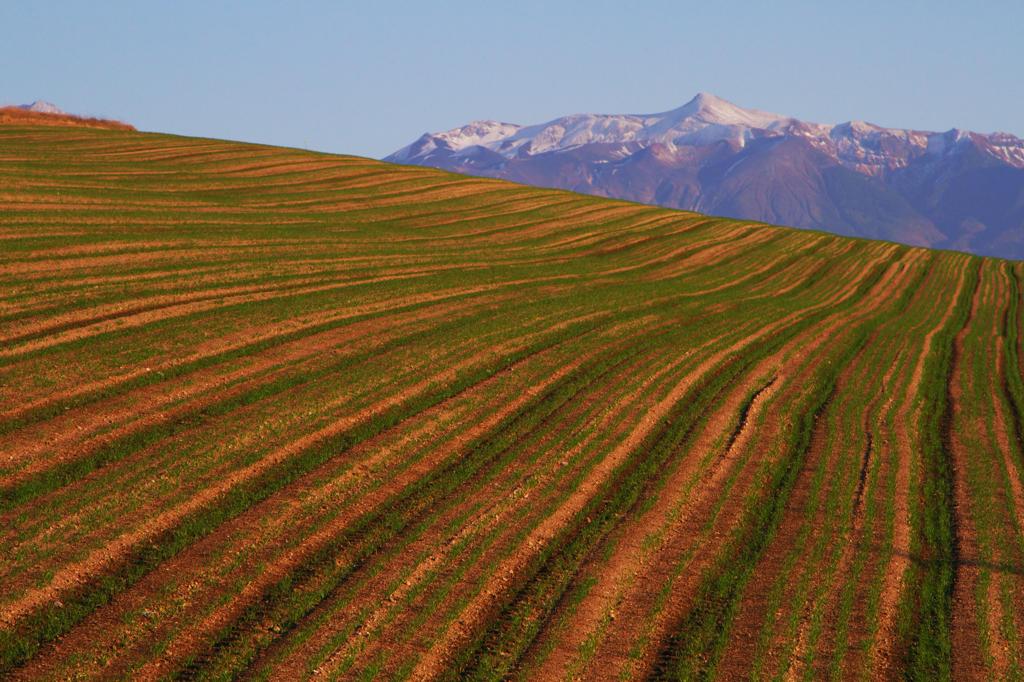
368, 77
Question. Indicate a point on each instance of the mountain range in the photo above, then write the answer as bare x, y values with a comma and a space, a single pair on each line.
956, 189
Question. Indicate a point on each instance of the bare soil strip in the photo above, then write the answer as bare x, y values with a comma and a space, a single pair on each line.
885, 646
691, 516
432, 660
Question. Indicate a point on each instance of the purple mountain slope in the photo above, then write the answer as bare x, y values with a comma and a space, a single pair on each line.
954, 189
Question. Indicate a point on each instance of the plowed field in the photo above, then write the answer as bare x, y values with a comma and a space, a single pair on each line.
273, 414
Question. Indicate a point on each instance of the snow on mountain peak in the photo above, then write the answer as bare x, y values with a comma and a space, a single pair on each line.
39, 106
704, 120
481, 133
714, 110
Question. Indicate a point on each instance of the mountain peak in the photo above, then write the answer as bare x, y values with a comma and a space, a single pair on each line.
712, 109
42, 107
707, 103
479, 132
704, 100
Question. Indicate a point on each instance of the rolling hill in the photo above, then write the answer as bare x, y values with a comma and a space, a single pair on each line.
278, 414
41, 113
955, 189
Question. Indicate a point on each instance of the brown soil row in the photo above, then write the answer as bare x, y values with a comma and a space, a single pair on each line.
125, 309
808, 267
120, 487
829, 584
884, 648
700, 253
369, 457
862, 627
122, 314
71, 575
300, 165
508, 236
682, 262
475, 614
173, 309
501, 207
620, 619
433, 661
152, 149
82, 431
796, 530
968, 651
1010, 498
442, 190
503, 512
246, 337
117, 263
1003, 441
972, 655
470, 498
612, 426
676, 521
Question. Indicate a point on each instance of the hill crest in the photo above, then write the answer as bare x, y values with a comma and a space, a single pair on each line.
47, 114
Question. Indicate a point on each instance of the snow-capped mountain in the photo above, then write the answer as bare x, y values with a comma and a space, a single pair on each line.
41, 107
954, 189
702, 120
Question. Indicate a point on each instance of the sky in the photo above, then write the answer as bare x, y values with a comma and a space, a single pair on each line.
369, 77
